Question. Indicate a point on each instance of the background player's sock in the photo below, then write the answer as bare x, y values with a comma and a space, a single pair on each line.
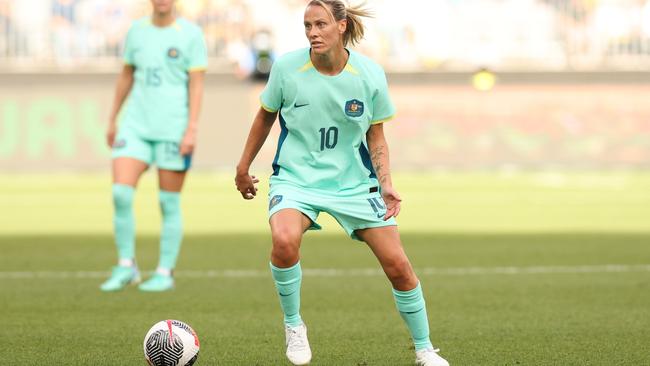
412, 308
172, 229
123, 222
287, 282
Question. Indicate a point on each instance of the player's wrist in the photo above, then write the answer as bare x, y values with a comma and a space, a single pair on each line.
387, 188
242, 169
385, 181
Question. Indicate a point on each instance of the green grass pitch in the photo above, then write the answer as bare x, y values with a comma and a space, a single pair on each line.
517, 269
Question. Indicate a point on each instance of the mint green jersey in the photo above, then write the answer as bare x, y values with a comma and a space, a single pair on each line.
157, 108
324, 120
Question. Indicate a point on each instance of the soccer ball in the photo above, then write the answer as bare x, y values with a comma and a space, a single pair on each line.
171, 343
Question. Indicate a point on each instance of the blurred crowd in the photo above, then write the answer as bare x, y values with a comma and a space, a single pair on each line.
405, 35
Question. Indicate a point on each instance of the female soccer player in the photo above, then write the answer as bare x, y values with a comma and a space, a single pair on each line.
165, 59
331, 156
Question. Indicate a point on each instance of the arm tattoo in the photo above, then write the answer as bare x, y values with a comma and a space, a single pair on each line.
377, 155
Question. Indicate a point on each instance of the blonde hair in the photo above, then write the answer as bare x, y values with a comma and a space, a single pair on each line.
339, 11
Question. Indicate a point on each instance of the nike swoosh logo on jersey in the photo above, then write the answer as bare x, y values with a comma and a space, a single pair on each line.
296, 105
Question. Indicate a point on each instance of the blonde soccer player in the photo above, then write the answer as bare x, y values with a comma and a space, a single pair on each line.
332, 157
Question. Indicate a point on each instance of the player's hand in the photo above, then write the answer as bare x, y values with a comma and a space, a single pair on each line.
188, 143
110, 134
246, 185
392, 201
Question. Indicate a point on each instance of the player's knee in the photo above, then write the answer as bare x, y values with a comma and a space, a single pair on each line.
285, 237
122, 196
285, 250
400, 273
285, 244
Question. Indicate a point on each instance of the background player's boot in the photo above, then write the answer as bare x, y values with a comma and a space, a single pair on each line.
120, 278
429, 357
298, 351
157, 283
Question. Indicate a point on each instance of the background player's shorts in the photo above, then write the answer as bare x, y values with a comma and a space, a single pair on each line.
352, 213
164, 154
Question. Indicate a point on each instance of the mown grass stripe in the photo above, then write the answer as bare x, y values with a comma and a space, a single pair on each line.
350, 272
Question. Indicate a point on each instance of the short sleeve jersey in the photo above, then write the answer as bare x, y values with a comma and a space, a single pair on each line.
324, 120
157, 107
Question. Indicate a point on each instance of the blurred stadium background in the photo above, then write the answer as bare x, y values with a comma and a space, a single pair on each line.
414, 35
522, 139
554, 87
571, 79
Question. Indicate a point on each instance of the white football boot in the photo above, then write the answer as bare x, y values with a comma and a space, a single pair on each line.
298, 351
429, 357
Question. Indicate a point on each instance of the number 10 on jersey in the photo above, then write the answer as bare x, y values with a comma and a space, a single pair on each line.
328, 138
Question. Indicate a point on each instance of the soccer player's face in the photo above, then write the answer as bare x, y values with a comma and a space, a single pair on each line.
322, 31
162, 6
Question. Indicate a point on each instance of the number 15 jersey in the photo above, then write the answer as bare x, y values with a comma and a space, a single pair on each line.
324, 120
163, 57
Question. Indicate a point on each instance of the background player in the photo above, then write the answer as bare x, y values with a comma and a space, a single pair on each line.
165, 59
332, 156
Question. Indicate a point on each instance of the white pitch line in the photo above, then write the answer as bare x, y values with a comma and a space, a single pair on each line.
353, 272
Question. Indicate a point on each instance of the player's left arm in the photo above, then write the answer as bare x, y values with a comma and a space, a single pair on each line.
380, 161
197, 62
195, 96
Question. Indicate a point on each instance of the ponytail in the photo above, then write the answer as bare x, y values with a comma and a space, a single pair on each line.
353, 14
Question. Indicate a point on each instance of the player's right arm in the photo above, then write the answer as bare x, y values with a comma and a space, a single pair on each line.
271, 100
122, 90
259, 132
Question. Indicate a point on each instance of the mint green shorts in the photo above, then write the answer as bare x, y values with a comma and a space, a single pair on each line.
164, 154
352, 213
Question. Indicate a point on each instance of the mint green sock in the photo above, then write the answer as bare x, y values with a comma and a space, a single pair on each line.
172, 229
287, 282
413, 310
123, 221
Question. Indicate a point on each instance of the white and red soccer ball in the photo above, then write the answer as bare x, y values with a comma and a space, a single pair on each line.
171, 343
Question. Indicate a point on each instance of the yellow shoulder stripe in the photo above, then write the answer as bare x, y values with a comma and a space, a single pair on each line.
351, 69
382, 120
306, 66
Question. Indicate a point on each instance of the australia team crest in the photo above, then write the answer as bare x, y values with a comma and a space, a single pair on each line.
173, 52
275, 200
354, 108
